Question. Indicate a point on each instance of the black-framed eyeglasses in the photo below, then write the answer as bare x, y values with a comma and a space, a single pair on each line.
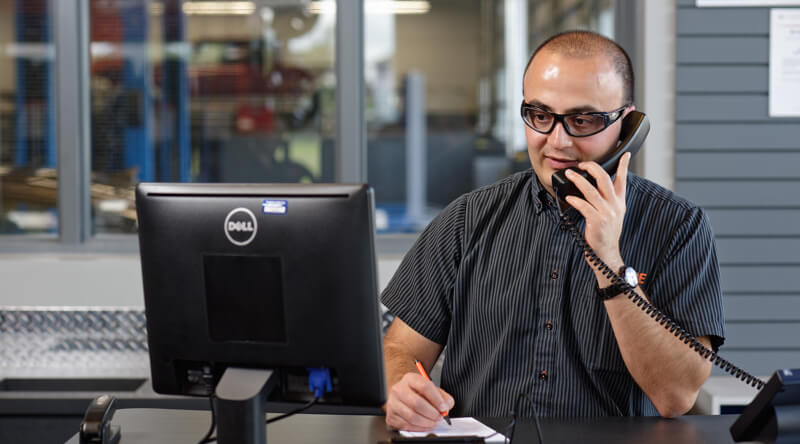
576, 124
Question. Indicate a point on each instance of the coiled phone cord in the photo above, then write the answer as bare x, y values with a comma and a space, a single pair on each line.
656, 314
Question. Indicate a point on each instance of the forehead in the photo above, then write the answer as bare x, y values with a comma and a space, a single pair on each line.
563, 82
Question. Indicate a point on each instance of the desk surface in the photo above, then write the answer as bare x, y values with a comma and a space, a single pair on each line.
188, 426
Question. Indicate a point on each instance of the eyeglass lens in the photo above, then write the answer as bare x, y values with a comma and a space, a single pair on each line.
577, 124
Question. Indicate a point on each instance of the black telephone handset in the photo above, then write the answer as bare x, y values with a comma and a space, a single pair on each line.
96, 426
635, 127
775, 411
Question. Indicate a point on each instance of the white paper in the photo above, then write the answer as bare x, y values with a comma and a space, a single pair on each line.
784, 63
461, 427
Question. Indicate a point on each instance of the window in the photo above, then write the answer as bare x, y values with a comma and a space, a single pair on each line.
436, 112
28, 182
245, 91
200, 91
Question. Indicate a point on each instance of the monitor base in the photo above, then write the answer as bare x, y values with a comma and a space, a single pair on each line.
239, 404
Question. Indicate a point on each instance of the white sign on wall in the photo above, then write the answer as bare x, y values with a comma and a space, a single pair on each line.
784, 63
739, 3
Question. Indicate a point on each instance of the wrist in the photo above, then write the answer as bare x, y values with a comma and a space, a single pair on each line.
628, 280
615, 262
615, 265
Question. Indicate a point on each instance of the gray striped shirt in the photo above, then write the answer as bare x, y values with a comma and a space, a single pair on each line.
498, 280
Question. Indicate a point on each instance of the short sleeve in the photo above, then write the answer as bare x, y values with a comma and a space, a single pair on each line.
686, 282
420, 292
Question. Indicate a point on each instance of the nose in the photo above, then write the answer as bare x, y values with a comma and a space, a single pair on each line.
558, 138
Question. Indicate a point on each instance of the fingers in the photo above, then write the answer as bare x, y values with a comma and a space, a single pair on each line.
425, 388
402, 417
621, 181
449, 401
606, 191
583, 207
591, 196
600, 175
415, 404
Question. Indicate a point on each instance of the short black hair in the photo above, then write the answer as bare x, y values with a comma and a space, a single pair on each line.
578, 43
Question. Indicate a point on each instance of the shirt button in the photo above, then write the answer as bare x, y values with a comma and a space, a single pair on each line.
549, 325
563, 227
554, 274
543, 375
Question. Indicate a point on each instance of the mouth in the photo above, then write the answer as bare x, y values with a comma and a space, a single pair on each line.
558, 163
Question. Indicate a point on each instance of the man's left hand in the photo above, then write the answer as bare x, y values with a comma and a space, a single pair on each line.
603, 208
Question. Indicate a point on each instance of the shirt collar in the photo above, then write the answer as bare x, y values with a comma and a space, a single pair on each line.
544, 201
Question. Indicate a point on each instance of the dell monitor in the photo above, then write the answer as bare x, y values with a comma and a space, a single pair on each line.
248, 286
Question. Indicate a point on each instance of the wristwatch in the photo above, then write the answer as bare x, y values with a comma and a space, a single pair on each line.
628, 275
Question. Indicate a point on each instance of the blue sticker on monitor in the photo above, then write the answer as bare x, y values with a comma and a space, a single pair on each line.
275, 206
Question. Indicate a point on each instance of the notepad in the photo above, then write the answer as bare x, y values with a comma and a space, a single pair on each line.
461, 427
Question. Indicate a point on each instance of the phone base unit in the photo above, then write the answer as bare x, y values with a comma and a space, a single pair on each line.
774, 414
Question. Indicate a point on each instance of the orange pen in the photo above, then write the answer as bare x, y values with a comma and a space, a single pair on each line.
422, 372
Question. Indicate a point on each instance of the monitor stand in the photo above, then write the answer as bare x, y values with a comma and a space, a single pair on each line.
239, 404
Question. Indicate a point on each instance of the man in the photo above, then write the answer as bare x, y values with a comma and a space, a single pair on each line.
499, 280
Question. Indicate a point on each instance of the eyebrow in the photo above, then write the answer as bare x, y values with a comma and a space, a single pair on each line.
576, 109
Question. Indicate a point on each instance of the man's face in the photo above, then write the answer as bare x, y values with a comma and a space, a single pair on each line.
563, 85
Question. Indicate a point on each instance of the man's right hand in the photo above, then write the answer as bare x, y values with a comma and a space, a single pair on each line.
415, 404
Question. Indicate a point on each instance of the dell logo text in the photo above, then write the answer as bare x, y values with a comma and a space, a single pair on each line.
241, 226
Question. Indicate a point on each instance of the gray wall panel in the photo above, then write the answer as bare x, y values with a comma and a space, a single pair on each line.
723, 108
710, 50
778, 250
769, 279
761, 363
743, 167
733, 21
743, 136
724, 165
755, 222
752, 335
728, 193
717, 79
759, 307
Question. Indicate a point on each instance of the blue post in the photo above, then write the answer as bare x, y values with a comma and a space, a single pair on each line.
50, 156
175, 94
21, 121
34, 26
137, 147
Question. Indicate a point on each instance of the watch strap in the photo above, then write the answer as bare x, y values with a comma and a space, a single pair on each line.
610, 291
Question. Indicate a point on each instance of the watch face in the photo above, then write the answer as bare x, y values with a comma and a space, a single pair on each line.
630, 276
